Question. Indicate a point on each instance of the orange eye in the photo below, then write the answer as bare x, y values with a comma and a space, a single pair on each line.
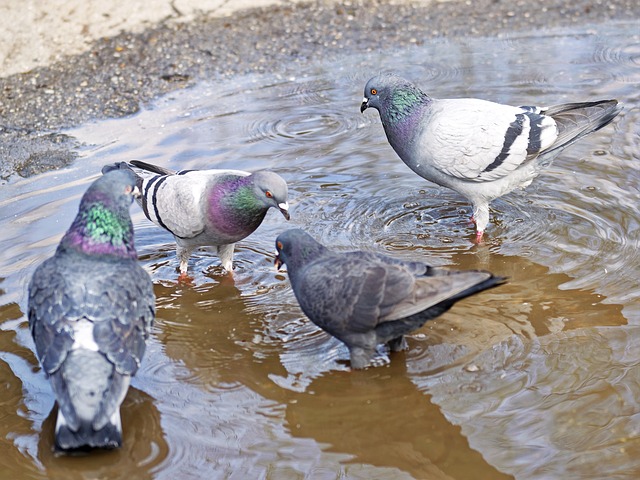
279, 245
268, 194
374, 91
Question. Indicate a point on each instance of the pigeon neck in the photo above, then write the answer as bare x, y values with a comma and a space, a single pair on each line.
305, 253
234, 207
404, 104
100, 230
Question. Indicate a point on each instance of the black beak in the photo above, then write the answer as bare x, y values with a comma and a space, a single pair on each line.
365, 105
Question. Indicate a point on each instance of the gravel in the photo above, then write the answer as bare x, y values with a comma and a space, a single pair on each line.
119, 75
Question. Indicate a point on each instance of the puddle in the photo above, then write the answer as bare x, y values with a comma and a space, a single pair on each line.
519, 381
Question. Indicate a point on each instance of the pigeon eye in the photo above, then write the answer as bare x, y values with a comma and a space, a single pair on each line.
268, 194
374, 91
279, 245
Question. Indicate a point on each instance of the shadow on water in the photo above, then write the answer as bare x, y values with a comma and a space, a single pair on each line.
520, 381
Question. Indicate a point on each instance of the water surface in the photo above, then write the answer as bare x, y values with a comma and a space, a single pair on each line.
535, 379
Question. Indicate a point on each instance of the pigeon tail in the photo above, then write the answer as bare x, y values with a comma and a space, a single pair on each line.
115, 166
122, 166
86, 437
392, 332
575, 120
151, 168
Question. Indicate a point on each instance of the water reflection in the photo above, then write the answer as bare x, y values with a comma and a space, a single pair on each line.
236, 382
563, 403
146, 445
380, 418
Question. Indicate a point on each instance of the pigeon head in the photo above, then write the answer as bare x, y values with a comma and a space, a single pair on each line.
271, 190
295, 248
103, 224
393, 96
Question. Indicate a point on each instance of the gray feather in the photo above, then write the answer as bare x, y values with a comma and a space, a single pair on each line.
207, 207
90, 313
365, 299
480, 149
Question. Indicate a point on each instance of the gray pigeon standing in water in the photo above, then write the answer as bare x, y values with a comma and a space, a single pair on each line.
366, 299
91, 308
207, 207
478, 148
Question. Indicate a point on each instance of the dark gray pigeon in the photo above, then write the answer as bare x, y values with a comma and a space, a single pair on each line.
207, 207
366, 299
91, 308
480, 149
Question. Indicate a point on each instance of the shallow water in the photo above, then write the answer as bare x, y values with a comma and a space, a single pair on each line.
539, 378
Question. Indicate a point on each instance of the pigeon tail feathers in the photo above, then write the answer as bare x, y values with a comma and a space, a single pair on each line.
86, 437
575, 120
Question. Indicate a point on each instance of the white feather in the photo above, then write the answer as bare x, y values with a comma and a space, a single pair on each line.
83, 336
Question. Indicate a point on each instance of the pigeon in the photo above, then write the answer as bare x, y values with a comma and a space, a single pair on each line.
207, 207
480, 149
91, 309
365, 299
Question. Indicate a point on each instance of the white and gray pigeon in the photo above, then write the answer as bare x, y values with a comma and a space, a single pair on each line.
478, 148
367, 299
207, 207
91, 308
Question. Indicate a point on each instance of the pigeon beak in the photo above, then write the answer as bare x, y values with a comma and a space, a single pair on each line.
136, 192
278, 262
284, 209
365, 104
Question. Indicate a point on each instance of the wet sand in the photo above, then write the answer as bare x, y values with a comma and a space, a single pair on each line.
81, 68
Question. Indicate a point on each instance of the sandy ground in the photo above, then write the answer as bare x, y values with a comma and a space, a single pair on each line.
66, 62
39, 32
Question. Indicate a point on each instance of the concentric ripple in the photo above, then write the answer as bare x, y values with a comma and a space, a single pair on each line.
237, 381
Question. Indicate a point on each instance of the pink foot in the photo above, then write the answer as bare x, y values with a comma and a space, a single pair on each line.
185, 279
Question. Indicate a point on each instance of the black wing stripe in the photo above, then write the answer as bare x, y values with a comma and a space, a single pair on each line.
145, 195
513, 132
535, 130
154, 202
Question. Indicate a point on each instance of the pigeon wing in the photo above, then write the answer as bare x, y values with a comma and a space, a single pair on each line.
118, 301
178, 203
431, 290
50, 303
477, 140
346, 294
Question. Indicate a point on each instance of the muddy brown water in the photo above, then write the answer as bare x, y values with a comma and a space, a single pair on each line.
537, 379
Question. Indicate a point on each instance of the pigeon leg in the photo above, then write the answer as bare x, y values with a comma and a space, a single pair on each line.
398, 344
481, 218
360, 357
225, 252
183, 254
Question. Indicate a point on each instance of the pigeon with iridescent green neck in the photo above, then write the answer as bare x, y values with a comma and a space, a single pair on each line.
207, 207
91, 308
480, 149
